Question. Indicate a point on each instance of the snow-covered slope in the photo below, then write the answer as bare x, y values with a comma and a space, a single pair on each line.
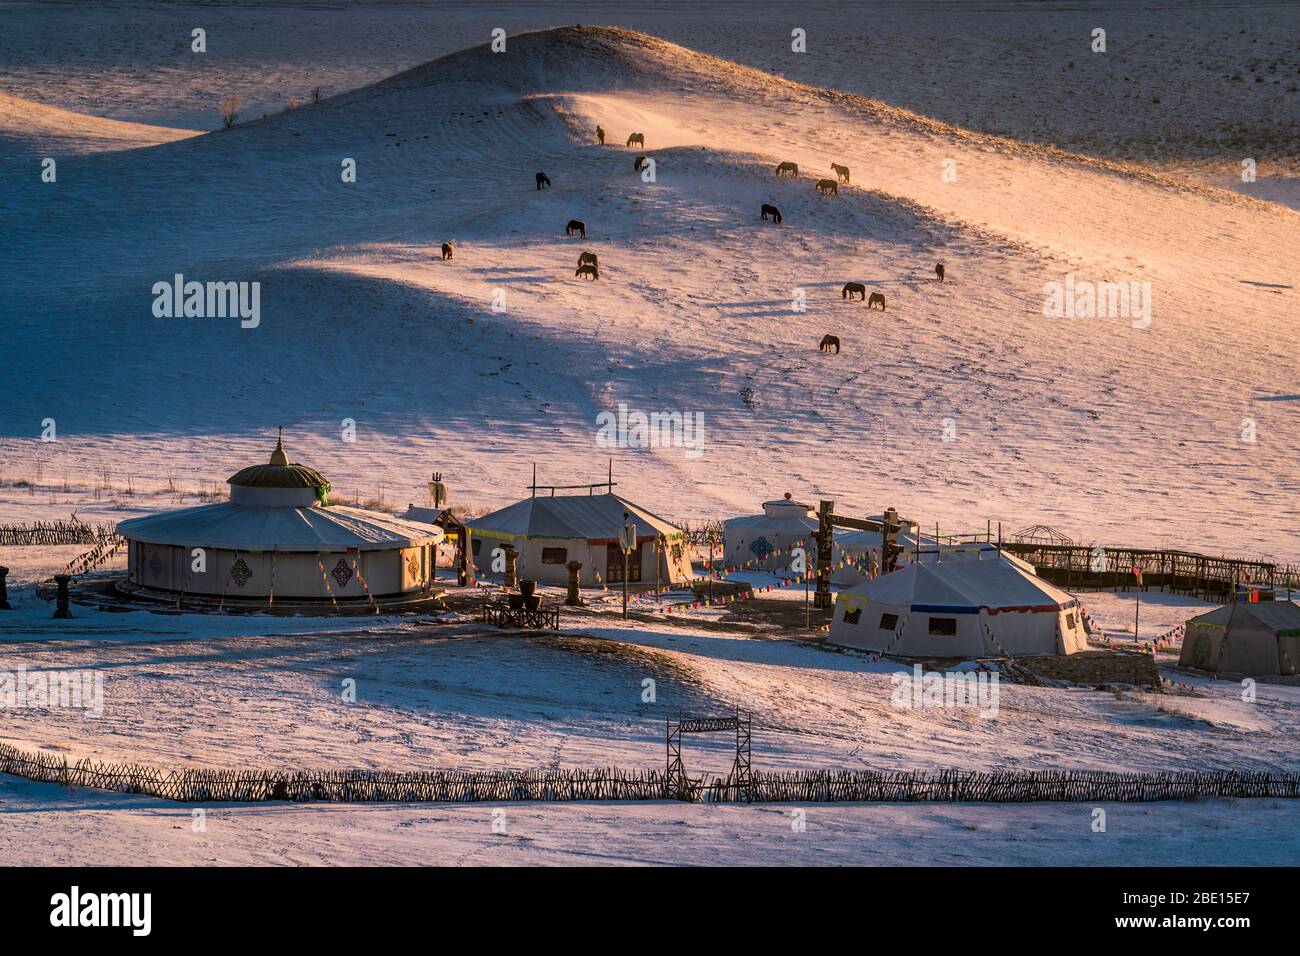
1113, 431
28, 128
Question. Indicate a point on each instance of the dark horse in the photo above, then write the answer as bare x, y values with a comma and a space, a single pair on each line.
576, 225
447, 251
637, 139
772, 212
787, 167
639, 162
938, 270
587, 259
543, 180
877, 298
591, 271
830, 342
853, 288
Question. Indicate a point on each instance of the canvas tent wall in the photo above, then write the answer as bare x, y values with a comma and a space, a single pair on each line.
1250, 638
547, 531
970, 608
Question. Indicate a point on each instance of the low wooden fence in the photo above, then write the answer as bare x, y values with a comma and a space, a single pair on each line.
499, 786
54, 532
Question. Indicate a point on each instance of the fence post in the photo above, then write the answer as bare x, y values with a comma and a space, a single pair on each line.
61, 601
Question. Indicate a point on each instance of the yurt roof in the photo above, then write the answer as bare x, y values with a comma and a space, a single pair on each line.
235, 527
591, 517
279, 473
963, 586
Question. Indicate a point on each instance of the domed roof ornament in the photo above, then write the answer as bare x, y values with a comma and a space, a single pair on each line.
278, 457
280, 473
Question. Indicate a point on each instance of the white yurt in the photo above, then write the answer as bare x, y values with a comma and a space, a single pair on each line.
763, 542
968, 608
279, 538
548, 531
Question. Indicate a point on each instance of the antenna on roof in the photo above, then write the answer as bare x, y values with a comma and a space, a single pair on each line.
533, 486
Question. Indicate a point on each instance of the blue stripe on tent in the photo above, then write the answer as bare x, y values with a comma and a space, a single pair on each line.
942, 609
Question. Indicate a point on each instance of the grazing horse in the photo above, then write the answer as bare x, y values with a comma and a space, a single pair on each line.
771, 212
639, 162
791, 168
853, 288
447, 251
841, 171
576, 225
828, 186
637, 139
938, 270
543, 180
587, 259
585, 270
600, 135
877, 297
829, 342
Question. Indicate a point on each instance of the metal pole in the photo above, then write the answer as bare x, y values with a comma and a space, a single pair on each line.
807, 613
1137, 607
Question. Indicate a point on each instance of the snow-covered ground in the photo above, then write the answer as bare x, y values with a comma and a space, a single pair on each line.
959, 404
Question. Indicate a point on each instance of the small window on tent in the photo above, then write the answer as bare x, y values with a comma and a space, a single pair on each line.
476, 546
943, 626
852, 617
1069, 621
555, 555
888, 622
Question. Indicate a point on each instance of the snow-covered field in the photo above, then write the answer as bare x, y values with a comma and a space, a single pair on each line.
961, 403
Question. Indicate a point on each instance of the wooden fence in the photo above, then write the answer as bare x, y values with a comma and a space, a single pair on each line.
499, 786
54, 532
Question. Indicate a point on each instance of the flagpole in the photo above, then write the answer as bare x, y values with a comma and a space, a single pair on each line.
1137, 604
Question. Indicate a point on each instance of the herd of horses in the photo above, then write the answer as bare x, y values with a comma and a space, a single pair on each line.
589, 266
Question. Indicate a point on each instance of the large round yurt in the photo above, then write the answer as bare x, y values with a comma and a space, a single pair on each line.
279, 538
966, 608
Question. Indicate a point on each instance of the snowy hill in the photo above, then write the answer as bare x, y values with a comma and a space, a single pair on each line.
1117, 432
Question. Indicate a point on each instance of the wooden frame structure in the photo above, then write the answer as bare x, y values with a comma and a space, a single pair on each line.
827, 522
738, 784
500, 613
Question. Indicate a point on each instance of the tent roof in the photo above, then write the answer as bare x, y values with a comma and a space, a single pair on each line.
1274, 615
237, 527
591, 517
962, 585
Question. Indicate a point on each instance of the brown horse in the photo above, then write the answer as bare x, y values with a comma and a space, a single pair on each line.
600, 135
587, 259
448, 250
841, 171
791, 168
938, 270
771, 212
828, 186
830, 342
576, 225
543, 180
637, 139
590, 271
876, 297
639, 162
853, 288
